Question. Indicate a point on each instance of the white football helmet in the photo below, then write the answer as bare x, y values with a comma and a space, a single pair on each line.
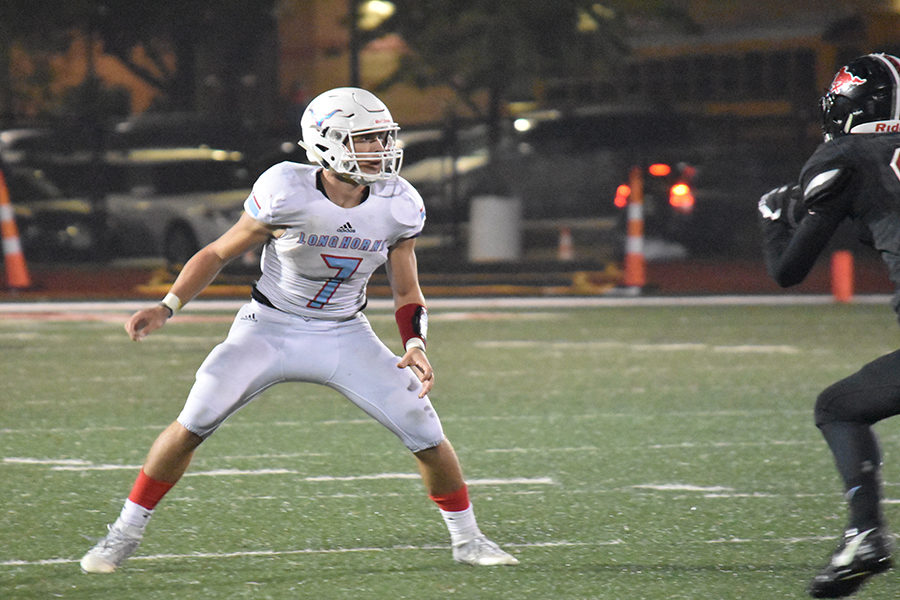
330, 123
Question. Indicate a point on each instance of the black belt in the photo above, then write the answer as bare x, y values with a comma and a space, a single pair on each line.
260, 297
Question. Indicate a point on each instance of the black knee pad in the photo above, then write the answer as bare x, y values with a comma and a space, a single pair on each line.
828, 407
865, 397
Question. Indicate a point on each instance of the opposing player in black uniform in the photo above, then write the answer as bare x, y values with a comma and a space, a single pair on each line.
854, 174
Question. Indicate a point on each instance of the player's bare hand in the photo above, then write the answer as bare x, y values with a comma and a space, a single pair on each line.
415, 358
145, 321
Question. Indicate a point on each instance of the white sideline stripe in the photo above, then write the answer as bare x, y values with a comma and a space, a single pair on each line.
479, 303
607, 344
479, 316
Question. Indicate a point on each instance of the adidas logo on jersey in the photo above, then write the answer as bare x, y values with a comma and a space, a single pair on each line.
249, 317
346, 228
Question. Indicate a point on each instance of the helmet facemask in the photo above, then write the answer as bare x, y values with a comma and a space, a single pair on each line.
350, 161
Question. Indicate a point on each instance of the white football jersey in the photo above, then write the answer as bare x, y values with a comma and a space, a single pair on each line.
320, 266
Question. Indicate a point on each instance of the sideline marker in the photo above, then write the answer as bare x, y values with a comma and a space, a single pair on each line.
566, 249
842, 276
635, 268
16, 271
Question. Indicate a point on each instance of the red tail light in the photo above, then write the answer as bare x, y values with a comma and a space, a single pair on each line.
659, 170
681, 197
622, 193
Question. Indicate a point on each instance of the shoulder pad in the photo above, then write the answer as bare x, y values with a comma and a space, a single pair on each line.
270, 190
408, 208
824, 183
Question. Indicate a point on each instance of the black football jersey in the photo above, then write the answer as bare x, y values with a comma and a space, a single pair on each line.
854, 176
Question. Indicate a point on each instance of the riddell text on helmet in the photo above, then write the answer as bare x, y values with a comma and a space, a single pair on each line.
887, 127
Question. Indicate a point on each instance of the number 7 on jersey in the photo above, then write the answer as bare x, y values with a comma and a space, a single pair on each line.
345, 266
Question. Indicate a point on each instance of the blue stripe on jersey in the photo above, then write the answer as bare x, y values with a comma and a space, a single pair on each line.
252, 206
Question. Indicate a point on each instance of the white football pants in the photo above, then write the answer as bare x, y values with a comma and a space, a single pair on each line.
266, 346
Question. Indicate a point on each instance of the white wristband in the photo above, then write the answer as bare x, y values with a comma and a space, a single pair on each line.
172, 302
415, 342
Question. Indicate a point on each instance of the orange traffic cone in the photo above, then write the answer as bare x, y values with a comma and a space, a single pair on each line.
842, 276
566, 249
16, 271
635, 276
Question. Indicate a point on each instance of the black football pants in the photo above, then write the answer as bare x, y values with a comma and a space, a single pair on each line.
845, 413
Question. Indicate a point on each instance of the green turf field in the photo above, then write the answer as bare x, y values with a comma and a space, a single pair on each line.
620, 453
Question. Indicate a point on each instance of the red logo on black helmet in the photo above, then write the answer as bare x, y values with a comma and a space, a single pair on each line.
844, 80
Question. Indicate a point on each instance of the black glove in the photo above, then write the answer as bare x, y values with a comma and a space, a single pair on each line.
783, 204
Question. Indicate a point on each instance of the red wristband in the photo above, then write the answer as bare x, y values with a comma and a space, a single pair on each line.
412, 320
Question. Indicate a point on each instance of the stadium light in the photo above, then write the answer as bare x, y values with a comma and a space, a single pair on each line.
523, 124
373, 13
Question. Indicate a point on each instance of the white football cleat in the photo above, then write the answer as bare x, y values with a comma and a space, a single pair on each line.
111, 551
481, 551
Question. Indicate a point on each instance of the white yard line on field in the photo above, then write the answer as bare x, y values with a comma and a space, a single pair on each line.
425, 547
318, 497
681, 487
270, 553
16, 460
544, 417
83, 465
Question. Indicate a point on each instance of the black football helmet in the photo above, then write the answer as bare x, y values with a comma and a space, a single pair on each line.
864, 90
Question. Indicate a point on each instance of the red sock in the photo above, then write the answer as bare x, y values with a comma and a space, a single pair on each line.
454, 501
148, 492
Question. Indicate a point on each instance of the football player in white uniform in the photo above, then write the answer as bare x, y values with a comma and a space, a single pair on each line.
324, 230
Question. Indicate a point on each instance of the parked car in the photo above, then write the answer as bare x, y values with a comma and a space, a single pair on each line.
170, 202
702, 197
52, 227
164, 203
